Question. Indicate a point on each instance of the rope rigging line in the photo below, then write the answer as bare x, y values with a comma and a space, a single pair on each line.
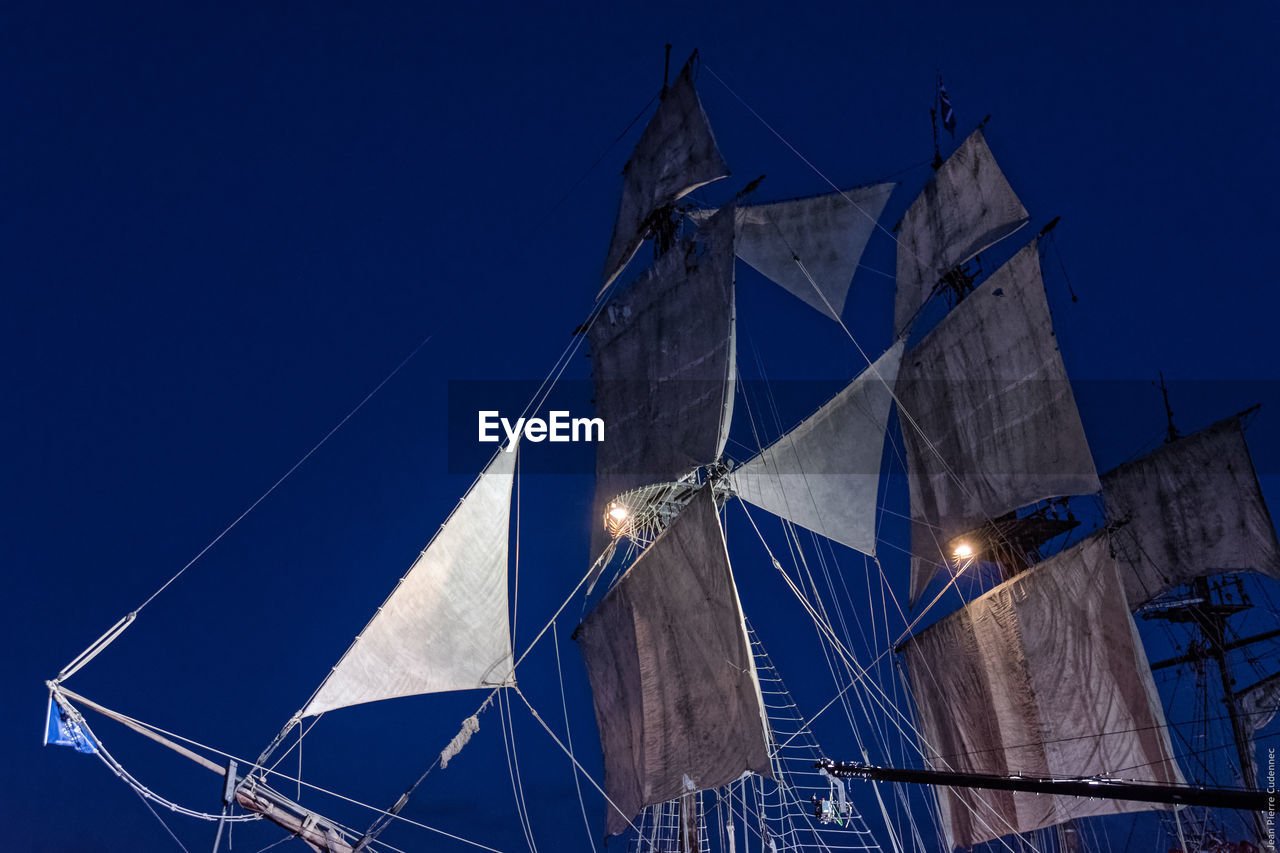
565, 750
119, 769
373, 831
128, 620
513, 771
557, 371
605, 153
857, 673
156, 815
568, 732
903, 413
863, 678
540, 396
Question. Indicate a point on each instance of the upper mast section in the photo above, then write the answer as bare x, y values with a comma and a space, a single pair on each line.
676, 154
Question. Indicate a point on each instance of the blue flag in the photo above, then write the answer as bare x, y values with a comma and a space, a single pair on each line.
948, 114
62, 730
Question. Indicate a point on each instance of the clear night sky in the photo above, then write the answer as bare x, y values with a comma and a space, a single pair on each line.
223, 224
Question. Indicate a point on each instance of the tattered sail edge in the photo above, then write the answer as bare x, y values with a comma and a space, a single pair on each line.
501, 467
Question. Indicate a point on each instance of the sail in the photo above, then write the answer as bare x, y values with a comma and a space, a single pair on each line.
663, 355
824, 475
1259, 703
445, 626
1188, 509
989, 419
676, 154
966, 207
1043, 676
676, 695
810, 246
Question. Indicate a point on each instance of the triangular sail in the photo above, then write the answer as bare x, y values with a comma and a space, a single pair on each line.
990, 421
1042, 676
1188, 509
445, 625
824, 475
663, 365
676, 694
676, 154
810, 246
966, 207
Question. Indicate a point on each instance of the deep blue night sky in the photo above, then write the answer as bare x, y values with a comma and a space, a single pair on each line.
224, 224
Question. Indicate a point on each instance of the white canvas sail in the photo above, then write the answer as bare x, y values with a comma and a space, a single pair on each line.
966, 207
676, 154
1042, 676
676, 694
995, 421
824, 475
663, 367
1189, 509
445, 625
810, 246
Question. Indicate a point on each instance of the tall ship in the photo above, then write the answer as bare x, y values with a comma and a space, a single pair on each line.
1034, 655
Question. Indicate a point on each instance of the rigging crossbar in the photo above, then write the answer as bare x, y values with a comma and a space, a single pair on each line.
1098, 787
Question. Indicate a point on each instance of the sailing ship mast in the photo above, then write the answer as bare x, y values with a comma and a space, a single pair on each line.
1042, 676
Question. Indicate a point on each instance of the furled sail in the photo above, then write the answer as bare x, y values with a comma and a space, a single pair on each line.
989, 419
824, 475
445, 626
1043, 676
966, 207
663, 355
810, 246
676, 694
676, 154
1188, 509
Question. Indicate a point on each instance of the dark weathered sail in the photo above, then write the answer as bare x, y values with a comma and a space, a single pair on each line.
676, 154
967, 206
663, 365
674, 683
1042, 676
825, 474
1188, 509
989, 418
810, 246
